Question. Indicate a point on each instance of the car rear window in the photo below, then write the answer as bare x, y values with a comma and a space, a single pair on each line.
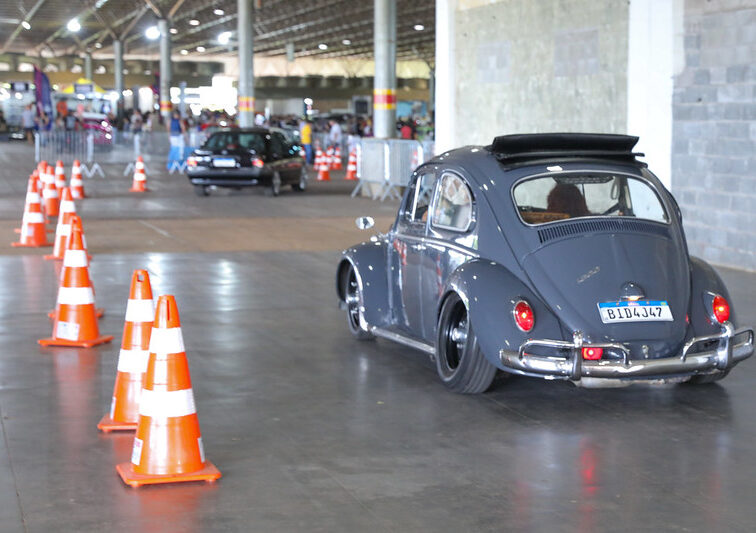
231, 140
564, 196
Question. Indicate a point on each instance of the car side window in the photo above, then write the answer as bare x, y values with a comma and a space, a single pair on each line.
277, 145
423, 196
453, 206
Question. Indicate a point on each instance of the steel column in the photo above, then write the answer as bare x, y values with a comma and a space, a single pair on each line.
384, 84
88, 65
165, 70
246, 85
118, 67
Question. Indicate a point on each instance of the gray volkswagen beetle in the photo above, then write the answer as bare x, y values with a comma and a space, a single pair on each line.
559, 256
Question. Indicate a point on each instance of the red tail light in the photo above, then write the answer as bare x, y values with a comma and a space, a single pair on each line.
721, 309
592, 354
191, 162
523, 315
257, 162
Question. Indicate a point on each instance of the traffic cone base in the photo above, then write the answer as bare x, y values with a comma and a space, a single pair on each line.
17, 244
107, 424
208, 473
102, 339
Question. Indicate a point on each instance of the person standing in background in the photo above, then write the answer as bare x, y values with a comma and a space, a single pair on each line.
27, 122
334, 134
306, 135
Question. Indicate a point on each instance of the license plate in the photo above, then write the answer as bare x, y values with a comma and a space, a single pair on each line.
640, 311
224, 162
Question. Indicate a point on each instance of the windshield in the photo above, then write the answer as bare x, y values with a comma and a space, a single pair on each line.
563, 196
231, 140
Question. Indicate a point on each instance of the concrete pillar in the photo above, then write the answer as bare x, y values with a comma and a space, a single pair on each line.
384, 81
88, 65
445, 80
246, 85
165, 70
653, 59
118, 68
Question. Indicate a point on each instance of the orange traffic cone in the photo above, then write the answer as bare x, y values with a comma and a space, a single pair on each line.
352, 166
63, 228
60, 176
329, 157
77, 184
75, 320
322, 167
33, 231
41, 167
132, 360
51, 199
168, 444
33, 180
140, 178
336, 159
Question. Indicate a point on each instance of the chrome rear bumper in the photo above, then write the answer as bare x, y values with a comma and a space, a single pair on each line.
733, 347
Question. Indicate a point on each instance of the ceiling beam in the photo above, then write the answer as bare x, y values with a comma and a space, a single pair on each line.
19, 28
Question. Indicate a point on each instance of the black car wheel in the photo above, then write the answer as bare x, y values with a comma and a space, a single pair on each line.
461, 365
275, 185
352, 298
201, 190
303, 177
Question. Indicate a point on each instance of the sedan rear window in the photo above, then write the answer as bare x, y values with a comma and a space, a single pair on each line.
563, 196
231, 140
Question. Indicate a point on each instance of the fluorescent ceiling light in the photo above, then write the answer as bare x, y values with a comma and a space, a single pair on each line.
152, 33
224, 37
200, 48
346, 42
323, 46
25, 25
194, 22
98, 45
173, 31
184, 52
73, 25
219, 12
419, 27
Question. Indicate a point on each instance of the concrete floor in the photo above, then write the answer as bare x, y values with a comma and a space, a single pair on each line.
315, 431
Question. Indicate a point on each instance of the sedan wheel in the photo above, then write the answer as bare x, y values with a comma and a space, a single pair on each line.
303, 177
460, 364
353, 299
275, 185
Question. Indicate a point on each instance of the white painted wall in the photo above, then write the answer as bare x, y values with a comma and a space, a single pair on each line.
654, 56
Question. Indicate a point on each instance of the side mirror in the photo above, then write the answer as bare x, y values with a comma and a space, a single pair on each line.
365, 222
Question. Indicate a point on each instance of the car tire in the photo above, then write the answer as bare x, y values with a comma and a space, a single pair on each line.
303, 177
275, 185
353, 299
707, 378
201, 190
460, 363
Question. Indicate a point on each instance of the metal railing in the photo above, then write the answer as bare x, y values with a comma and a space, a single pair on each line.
385, 165
68, 146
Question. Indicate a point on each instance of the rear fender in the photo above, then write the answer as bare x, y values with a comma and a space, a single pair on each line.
490, 292
369, 261
703, 279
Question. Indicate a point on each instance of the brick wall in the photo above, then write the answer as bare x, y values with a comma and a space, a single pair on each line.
714, 131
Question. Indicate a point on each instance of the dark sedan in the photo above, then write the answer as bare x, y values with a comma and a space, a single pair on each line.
559, 256
244, 158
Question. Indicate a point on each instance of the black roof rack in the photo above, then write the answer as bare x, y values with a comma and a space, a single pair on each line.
531, 146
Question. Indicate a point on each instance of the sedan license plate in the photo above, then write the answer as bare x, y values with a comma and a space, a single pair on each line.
224, 162
640, 311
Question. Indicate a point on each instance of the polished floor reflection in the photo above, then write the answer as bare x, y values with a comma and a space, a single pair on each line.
316, 431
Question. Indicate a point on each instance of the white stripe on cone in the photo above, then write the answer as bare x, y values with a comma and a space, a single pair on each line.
32, 197
166, 340
33, 218
133, 361
75, 295
140, 311
167, 404
75, 258
67, 206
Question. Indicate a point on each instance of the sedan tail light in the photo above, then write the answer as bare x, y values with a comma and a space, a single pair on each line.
191, 161
720, 309
523, 316
257, 162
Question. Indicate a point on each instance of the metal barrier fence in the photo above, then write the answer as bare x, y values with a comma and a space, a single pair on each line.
385, 165
67, 146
